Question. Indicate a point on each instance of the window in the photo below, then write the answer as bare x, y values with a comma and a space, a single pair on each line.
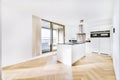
51, 35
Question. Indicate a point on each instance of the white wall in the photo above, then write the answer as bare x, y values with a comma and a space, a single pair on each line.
116, 39
0, 42
16, 35
71, 32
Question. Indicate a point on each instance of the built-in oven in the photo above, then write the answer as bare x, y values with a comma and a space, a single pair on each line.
97, 34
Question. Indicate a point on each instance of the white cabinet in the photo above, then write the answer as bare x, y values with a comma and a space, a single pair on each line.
100, 45
69, 54
95, 44
105, 46
78, 51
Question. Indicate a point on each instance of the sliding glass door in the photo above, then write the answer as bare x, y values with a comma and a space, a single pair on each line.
51, 34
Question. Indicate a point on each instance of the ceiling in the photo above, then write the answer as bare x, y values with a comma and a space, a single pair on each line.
68, 12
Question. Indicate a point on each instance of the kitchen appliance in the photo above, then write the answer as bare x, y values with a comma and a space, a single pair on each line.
81, 36
99, 34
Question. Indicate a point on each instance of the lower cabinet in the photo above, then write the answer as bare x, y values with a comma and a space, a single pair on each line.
105, 46
101, 45
94, 45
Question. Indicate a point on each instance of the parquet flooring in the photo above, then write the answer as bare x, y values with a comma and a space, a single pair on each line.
92, 67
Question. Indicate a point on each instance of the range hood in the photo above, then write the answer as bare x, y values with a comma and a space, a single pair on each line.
81, 36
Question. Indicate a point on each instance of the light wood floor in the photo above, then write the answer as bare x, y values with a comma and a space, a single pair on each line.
92, 67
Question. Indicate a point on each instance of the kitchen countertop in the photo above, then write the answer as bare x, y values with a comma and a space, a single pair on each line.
72, 43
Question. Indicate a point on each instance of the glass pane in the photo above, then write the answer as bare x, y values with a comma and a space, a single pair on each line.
45, 36
55, 40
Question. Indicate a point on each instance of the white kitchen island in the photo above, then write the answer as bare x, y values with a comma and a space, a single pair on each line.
69, 53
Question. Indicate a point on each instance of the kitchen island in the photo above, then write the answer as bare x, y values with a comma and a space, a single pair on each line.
69, 53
